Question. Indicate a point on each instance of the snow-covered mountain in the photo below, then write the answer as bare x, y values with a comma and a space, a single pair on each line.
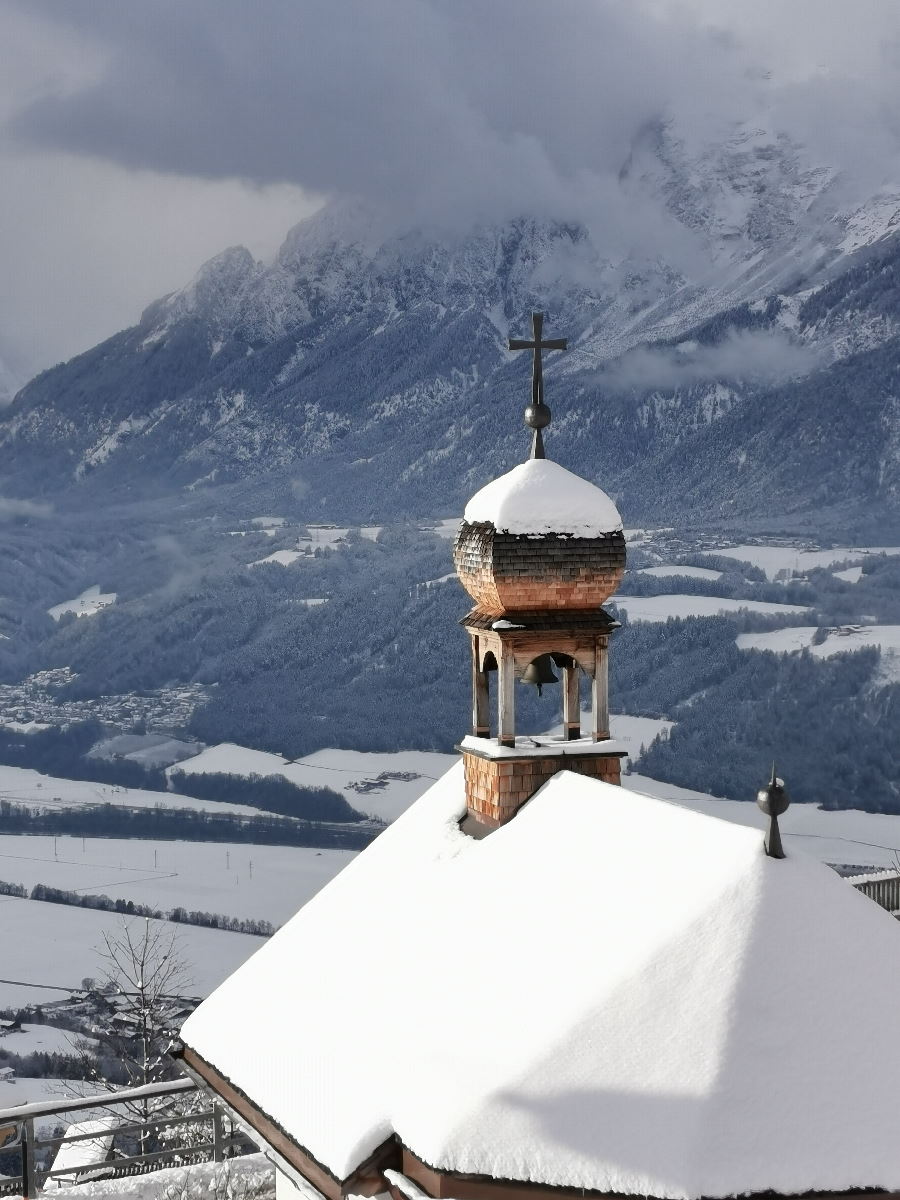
743, 355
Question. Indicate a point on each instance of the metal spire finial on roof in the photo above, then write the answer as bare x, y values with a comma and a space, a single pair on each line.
773, 800
537, 414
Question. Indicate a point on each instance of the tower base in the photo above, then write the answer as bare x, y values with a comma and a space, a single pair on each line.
500, 779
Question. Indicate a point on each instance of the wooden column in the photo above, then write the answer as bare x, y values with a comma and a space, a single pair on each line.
600, 697
506, 699
481, 712
571, 704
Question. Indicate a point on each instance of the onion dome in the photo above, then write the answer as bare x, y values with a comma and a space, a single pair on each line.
540, 538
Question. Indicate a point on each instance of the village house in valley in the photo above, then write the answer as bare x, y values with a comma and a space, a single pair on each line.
536, 983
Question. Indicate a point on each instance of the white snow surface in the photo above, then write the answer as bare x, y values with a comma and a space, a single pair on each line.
83, 1154
842, 639
237, 879
849, 837
795, 561
664, 572
91, 601
251, 1176
55, 945
660, 608
381, 785
48, 1039
643, 1012
540, 496
32, 789
851, 575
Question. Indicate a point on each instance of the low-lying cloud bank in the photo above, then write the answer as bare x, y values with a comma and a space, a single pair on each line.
12, 510
747, 356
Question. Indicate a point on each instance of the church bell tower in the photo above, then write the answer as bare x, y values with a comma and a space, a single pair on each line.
539, 551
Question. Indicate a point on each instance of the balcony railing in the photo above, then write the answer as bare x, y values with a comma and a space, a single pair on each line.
193, 1137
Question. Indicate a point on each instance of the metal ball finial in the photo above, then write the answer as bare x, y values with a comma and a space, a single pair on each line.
537, 416
773, 799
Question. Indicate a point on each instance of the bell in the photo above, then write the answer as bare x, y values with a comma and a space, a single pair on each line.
540, 672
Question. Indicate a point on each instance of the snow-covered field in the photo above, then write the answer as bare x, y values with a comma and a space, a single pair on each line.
850, 836
45, 1038
367, 780
148, 749
850, 575
36, 1091
842, 640
660, 608
633, 733
775, 559
283, 558
636, 733
239, 880
665, 572
91, 601
30, 788
54, 944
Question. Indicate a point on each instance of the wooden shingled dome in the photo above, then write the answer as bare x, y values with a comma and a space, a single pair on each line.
505, 572
540, 538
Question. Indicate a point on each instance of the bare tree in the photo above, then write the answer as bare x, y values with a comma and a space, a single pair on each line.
144, 979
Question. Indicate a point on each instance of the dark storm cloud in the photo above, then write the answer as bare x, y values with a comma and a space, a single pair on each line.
447, 108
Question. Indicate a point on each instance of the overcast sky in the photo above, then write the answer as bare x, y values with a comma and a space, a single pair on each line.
139, 139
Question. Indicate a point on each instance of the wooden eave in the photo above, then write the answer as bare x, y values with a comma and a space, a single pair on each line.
591, 620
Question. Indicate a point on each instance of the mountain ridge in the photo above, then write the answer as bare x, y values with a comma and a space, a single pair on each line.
370, 368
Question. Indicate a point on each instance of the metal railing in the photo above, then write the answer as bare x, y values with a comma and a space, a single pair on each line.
881, 886
207, 1135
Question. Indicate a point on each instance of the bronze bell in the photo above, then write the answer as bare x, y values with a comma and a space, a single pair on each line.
539, 672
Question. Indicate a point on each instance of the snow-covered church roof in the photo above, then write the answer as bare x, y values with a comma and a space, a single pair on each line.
540, 496
609, 992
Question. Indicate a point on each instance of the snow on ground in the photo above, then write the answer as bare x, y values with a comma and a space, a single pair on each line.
91, 601
251, 1177
24, 1090
148, 749
851, 575
56, 944
448, 527
430, 583
781, 641
841, 640
665, 572
283, 558
369, 781
660, 608
775, 559
239, 880
21, 785
636, 733
268, 522
850, 836
633, 733
47, 1039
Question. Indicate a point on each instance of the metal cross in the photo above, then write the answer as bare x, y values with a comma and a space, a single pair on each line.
537, 345
537, 415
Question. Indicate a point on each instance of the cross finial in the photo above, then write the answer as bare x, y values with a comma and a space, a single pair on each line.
537, 414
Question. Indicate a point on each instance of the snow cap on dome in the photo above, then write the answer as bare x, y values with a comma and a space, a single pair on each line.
540, 496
